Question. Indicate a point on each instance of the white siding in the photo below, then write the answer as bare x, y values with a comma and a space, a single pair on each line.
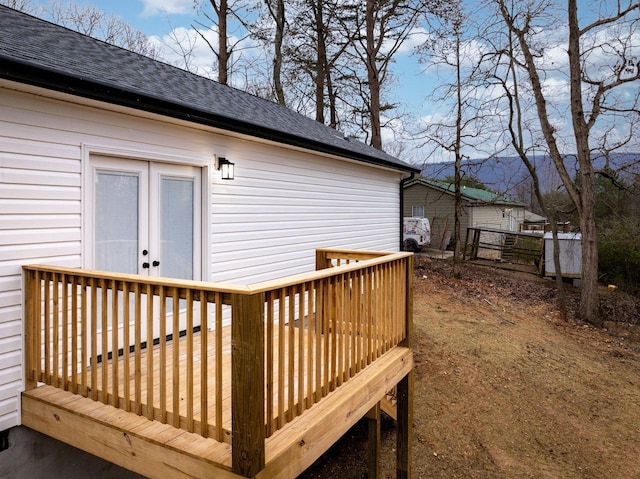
264, 224
278, 210
498, 217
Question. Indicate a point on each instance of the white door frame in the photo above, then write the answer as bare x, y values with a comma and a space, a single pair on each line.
203, 162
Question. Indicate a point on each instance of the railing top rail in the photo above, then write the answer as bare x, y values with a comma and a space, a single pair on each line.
352, 254
134, 278
508, 232
324, 273
376, 258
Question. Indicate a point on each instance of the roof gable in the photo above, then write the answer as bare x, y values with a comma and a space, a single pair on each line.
39, 53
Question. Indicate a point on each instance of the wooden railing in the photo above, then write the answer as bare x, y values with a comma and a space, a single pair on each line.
80, 322
345, 318
170, 350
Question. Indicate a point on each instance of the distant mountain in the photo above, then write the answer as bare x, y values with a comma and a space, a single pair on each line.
508, 175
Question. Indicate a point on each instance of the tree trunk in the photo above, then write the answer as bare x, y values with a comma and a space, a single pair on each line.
373, 77
589, 300
457, 251
589, 296
517, 140
223, 53
278, 16
321, 61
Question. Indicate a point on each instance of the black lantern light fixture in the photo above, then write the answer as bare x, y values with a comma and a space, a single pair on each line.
226, 168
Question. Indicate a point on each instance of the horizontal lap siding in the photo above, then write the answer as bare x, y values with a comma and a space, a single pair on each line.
264, 224
39, 222
490, 217
281, 208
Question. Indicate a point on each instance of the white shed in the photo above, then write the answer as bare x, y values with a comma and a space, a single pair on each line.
570, 255
110, 160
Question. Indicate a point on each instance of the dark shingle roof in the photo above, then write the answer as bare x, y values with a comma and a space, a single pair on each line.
40, 53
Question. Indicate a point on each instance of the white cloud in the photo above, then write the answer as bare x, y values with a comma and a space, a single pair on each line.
185, 48
417, 37
170, 7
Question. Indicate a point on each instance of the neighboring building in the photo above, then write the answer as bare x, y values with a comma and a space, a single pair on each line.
110, 160
533, 223
435, 200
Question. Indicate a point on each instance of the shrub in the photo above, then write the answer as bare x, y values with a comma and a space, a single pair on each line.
619, 257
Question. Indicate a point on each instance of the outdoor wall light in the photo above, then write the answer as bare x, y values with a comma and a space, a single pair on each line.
226, 168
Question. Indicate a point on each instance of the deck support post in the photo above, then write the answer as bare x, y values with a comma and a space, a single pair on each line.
404, 389
404, 439
321, 259
373, 444
247, 384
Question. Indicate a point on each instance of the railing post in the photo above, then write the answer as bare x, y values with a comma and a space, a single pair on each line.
408, 318
321, 259
30, 343
405, 390
247, 384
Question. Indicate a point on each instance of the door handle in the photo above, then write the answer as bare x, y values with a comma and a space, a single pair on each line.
145, 265
155, 263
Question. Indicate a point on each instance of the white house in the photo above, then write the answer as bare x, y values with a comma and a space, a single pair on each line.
112, 161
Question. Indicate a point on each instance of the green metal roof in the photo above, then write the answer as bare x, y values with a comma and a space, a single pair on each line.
475, 195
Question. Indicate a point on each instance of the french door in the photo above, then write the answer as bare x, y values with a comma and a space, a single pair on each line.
146, 220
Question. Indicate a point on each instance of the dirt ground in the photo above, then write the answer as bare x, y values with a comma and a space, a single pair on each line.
504, 388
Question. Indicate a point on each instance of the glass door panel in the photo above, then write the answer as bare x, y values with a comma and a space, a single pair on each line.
119, 219
175, 221
177, 198
175, 227
116, 222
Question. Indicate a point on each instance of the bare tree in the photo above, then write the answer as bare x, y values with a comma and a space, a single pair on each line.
330, 47
602, 60
460, 123
524, 149
276, 11
223, 50
183, 43
321, 73
375, 39
26, 6
224, 12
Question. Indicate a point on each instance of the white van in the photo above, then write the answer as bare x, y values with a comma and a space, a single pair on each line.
416, 234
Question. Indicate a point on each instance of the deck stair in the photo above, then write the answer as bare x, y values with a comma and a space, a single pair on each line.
508, 247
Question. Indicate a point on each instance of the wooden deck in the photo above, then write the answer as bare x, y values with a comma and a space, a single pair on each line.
159, 450
207, 398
